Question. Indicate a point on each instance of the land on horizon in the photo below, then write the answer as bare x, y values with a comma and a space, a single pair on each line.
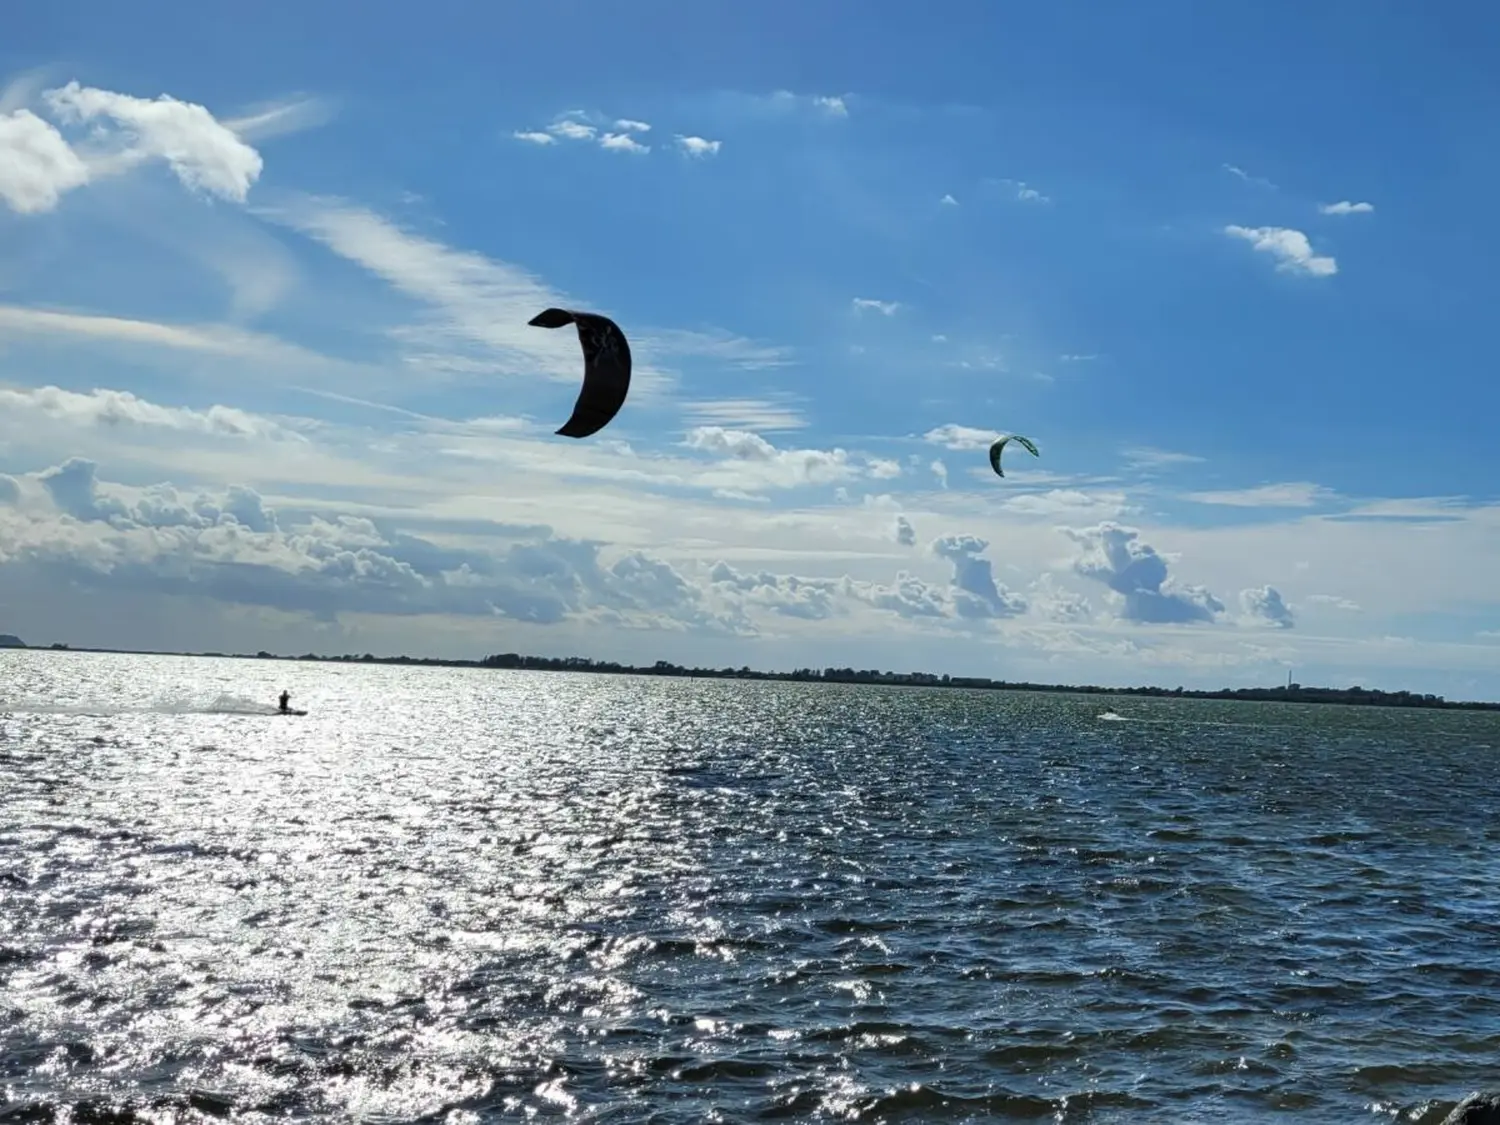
1290, 693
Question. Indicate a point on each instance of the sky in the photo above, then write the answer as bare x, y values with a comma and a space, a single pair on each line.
266, 379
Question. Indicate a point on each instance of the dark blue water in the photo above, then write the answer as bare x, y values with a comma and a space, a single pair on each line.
468, 896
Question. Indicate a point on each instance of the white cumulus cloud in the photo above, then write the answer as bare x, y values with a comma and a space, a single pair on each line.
954, 436
37, 166
1117, 557
1265, 605
622, 142
1290, 248
1345, 207
698, 146
204, 154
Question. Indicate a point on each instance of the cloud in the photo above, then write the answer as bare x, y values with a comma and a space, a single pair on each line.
276, 119
1144, 457
885, 308
572, 130
975, 592
940, 471
954, 436
1300, 494
788, 595
213, 338
745, 413
1333, 600
1024, 192
824, 105
231, 547
1234, 170
736, 351
205, 155
37, 166
1344, 207
1117, 557
1264, 604
763, 465
113, 408
478, 307
622, 142
573, 125
234, 547
698, 146
948, 201
906, 535
399, 538
1057, 603
908, 597
473, 300
1068, 503
1290, 247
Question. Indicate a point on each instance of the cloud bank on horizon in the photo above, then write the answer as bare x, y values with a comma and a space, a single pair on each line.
266, 379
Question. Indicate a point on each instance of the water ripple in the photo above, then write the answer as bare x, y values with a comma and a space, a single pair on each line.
461, 896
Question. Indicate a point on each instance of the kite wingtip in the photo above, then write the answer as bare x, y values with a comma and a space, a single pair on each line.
551, 318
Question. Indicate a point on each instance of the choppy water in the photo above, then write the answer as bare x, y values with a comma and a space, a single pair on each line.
477, 896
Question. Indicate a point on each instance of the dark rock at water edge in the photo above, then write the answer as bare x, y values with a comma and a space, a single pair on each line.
10, 640
1481, 1108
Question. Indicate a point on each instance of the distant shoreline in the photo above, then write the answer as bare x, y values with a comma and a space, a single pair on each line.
510, 661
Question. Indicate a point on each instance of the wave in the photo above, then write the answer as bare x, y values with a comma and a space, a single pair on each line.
222, 704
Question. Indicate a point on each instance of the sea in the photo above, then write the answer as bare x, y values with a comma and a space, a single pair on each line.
460, 896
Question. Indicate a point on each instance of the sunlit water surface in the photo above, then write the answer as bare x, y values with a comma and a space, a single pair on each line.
461, 896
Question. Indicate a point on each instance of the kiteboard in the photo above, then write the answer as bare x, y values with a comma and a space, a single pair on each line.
291, 711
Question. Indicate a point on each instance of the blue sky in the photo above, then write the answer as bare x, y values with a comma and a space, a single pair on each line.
267, 380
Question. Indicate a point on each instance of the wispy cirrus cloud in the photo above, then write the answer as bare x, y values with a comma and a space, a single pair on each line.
476, 308
283, 117
759, 414
471, 300
211, 338
1149, 458
1240, 173
725, 347
1298, 494
885, 308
